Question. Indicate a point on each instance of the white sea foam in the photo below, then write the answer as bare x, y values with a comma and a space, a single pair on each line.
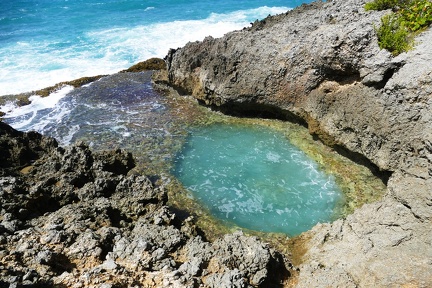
122, 130
66, 140
108, 51
273, 157
227, 208
37, 103
8, 107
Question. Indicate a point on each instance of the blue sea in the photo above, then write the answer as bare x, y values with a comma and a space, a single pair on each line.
43, 42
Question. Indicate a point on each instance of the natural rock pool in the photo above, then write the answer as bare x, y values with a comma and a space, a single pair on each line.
253, 177
257, 180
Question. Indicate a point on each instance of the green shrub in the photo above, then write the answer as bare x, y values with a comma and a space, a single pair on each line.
392, 34
383, 4
396, 29
417, 15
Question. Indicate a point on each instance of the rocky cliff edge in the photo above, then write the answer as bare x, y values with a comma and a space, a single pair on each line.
320, 65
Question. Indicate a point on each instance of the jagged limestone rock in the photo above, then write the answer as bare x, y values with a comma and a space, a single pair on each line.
320, 65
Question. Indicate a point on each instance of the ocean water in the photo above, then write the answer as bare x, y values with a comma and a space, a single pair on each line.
253, 177
43, 42
119, 110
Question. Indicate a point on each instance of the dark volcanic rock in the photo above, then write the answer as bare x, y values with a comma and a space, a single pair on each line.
320, 65
20, 149
76, 218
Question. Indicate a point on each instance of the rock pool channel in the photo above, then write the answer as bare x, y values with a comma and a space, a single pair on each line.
253, 174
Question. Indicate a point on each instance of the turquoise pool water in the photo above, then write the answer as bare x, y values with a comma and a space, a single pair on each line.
253, 177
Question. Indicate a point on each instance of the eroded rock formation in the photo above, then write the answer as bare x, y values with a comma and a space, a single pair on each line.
73, 218
320, 65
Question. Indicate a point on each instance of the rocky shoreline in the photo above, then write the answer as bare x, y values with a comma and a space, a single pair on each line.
328, 73
71, 217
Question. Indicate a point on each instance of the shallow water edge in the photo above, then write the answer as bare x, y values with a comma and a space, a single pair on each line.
155, 155
357, 182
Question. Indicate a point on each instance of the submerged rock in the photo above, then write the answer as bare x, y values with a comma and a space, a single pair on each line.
78, 218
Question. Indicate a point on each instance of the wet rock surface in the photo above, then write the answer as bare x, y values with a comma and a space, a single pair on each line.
70, 217
320, 65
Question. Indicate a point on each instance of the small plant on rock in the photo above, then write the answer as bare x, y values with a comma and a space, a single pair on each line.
398, 28
392, 35
417, 15
383, 4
